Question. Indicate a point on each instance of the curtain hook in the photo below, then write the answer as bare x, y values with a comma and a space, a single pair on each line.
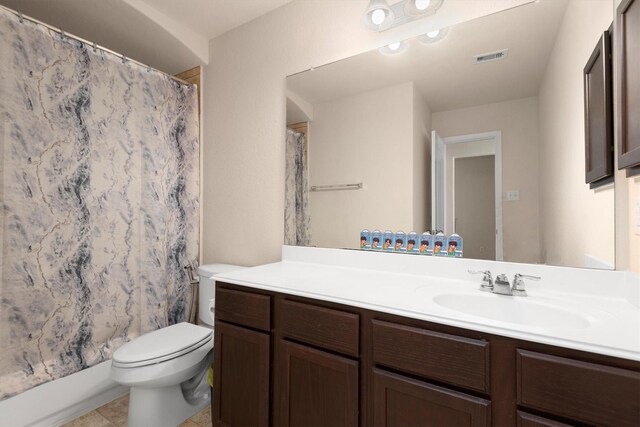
21, 17
95, 47
124, 59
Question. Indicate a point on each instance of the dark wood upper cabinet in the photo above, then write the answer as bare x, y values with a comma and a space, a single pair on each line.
628, 83
598, 112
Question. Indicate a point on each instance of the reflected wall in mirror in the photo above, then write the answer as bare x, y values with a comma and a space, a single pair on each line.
492, 150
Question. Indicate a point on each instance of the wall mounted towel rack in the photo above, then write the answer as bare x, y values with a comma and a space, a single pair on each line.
356, 186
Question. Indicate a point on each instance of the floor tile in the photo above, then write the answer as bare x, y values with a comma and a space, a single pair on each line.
116, 411
189, 423
92, 419
203, 418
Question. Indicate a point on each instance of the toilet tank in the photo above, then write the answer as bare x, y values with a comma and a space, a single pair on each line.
207, 289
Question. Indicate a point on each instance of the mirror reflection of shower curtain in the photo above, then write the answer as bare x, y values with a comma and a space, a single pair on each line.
296, 211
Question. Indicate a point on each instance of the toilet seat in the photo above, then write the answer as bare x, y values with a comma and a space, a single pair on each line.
161, 345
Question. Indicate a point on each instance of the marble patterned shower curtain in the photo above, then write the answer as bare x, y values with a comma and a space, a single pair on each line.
99, 208
296, 209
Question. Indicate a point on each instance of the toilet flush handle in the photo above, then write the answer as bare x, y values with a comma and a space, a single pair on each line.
212, 308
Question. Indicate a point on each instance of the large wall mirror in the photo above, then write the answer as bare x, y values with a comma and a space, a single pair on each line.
476, 129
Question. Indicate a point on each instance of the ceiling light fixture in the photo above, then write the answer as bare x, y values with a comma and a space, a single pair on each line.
419, 8
394, 48
433, 36
379, 16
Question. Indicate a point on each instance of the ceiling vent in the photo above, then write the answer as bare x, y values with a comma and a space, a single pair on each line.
491, 56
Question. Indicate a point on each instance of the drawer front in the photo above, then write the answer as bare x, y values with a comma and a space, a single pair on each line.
583, 391
243, 308
323, 327
443, 357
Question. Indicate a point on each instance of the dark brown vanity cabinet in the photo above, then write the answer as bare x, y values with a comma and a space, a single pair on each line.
242, 359
401, 400
404, 401
316, 366
288, 361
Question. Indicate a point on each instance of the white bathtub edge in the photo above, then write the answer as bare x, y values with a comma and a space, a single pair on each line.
57, 402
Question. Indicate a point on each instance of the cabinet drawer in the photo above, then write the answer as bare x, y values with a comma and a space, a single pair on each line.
443, 357
583, 391
323, 327
244, 308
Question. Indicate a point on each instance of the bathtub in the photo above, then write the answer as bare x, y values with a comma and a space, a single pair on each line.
57, 402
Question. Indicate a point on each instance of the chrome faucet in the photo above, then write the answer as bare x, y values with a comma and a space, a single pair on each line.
518, 284
487, 280
501, 285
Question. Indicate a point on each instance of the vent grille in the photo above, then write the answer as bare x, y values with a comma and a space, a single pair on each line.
491, 56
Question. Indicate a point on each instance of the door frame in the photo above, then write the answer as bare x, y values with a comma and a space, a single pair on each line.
496, 139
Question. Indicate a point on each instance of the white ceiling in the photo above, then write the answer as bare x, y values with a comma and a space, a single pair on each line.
444, 72
169, 35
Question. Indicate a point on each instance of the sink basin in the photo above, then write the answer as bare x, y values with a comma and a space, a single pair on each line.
512, 310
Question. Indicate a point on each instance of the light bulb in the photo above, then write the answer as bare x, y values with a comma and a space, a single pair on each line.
377, 16
394, 46
433, 34
422, 4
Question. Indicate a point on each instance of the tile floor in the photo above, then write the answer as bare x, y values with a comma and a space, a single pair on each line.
114, 414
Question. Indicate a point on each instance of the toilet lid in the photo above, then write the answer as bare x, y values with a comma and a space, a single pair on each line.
162, 344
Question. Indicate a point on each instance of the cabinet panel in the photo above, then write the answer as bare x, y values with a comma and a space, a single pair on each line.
241, 379
244, 308
449, 358
331, 329
314, 388
598, 110
628, 85
582, 391
529, 420
401, 401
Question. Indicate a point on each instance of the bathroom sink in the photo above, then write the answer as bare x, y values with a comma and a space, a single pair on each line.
519, 310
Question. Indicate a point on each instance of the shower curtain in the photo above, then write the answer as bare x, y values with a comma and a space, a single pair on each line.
99, 207
296, 210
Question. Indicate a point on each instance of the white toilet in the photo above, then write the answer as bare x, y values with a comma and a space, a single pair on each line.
167, 368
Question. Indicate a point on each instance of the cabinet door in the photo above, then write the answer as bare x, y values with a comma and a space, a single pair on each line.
402, 401
529, 420
314, 388
628, 85
241, 389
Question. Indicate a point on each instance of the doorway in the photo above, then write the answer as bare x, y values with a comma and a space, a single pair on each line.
476, 214
474, 206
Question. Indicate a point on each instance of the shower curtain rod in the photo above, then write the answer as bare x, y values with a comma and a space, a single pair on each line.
88, 43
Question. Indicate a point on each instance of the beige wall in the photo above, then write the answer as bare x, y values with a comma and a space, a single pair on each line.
244, 111
362, 138
627, 195
575, 221
421, 163
634, 237
518, 121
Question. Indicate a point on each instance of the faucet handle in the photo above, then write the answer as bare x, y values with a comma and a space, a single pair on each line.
487, 280
518, 283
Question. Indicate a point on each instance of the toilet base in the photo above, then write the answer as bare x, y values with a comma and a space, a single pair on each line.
160, 407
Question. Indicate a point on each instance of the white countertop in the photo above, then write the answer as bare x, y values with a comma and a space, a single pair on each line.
593, 311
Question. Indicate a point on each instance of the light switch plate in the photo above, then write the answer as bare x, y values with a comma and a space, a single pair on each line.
513, 195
